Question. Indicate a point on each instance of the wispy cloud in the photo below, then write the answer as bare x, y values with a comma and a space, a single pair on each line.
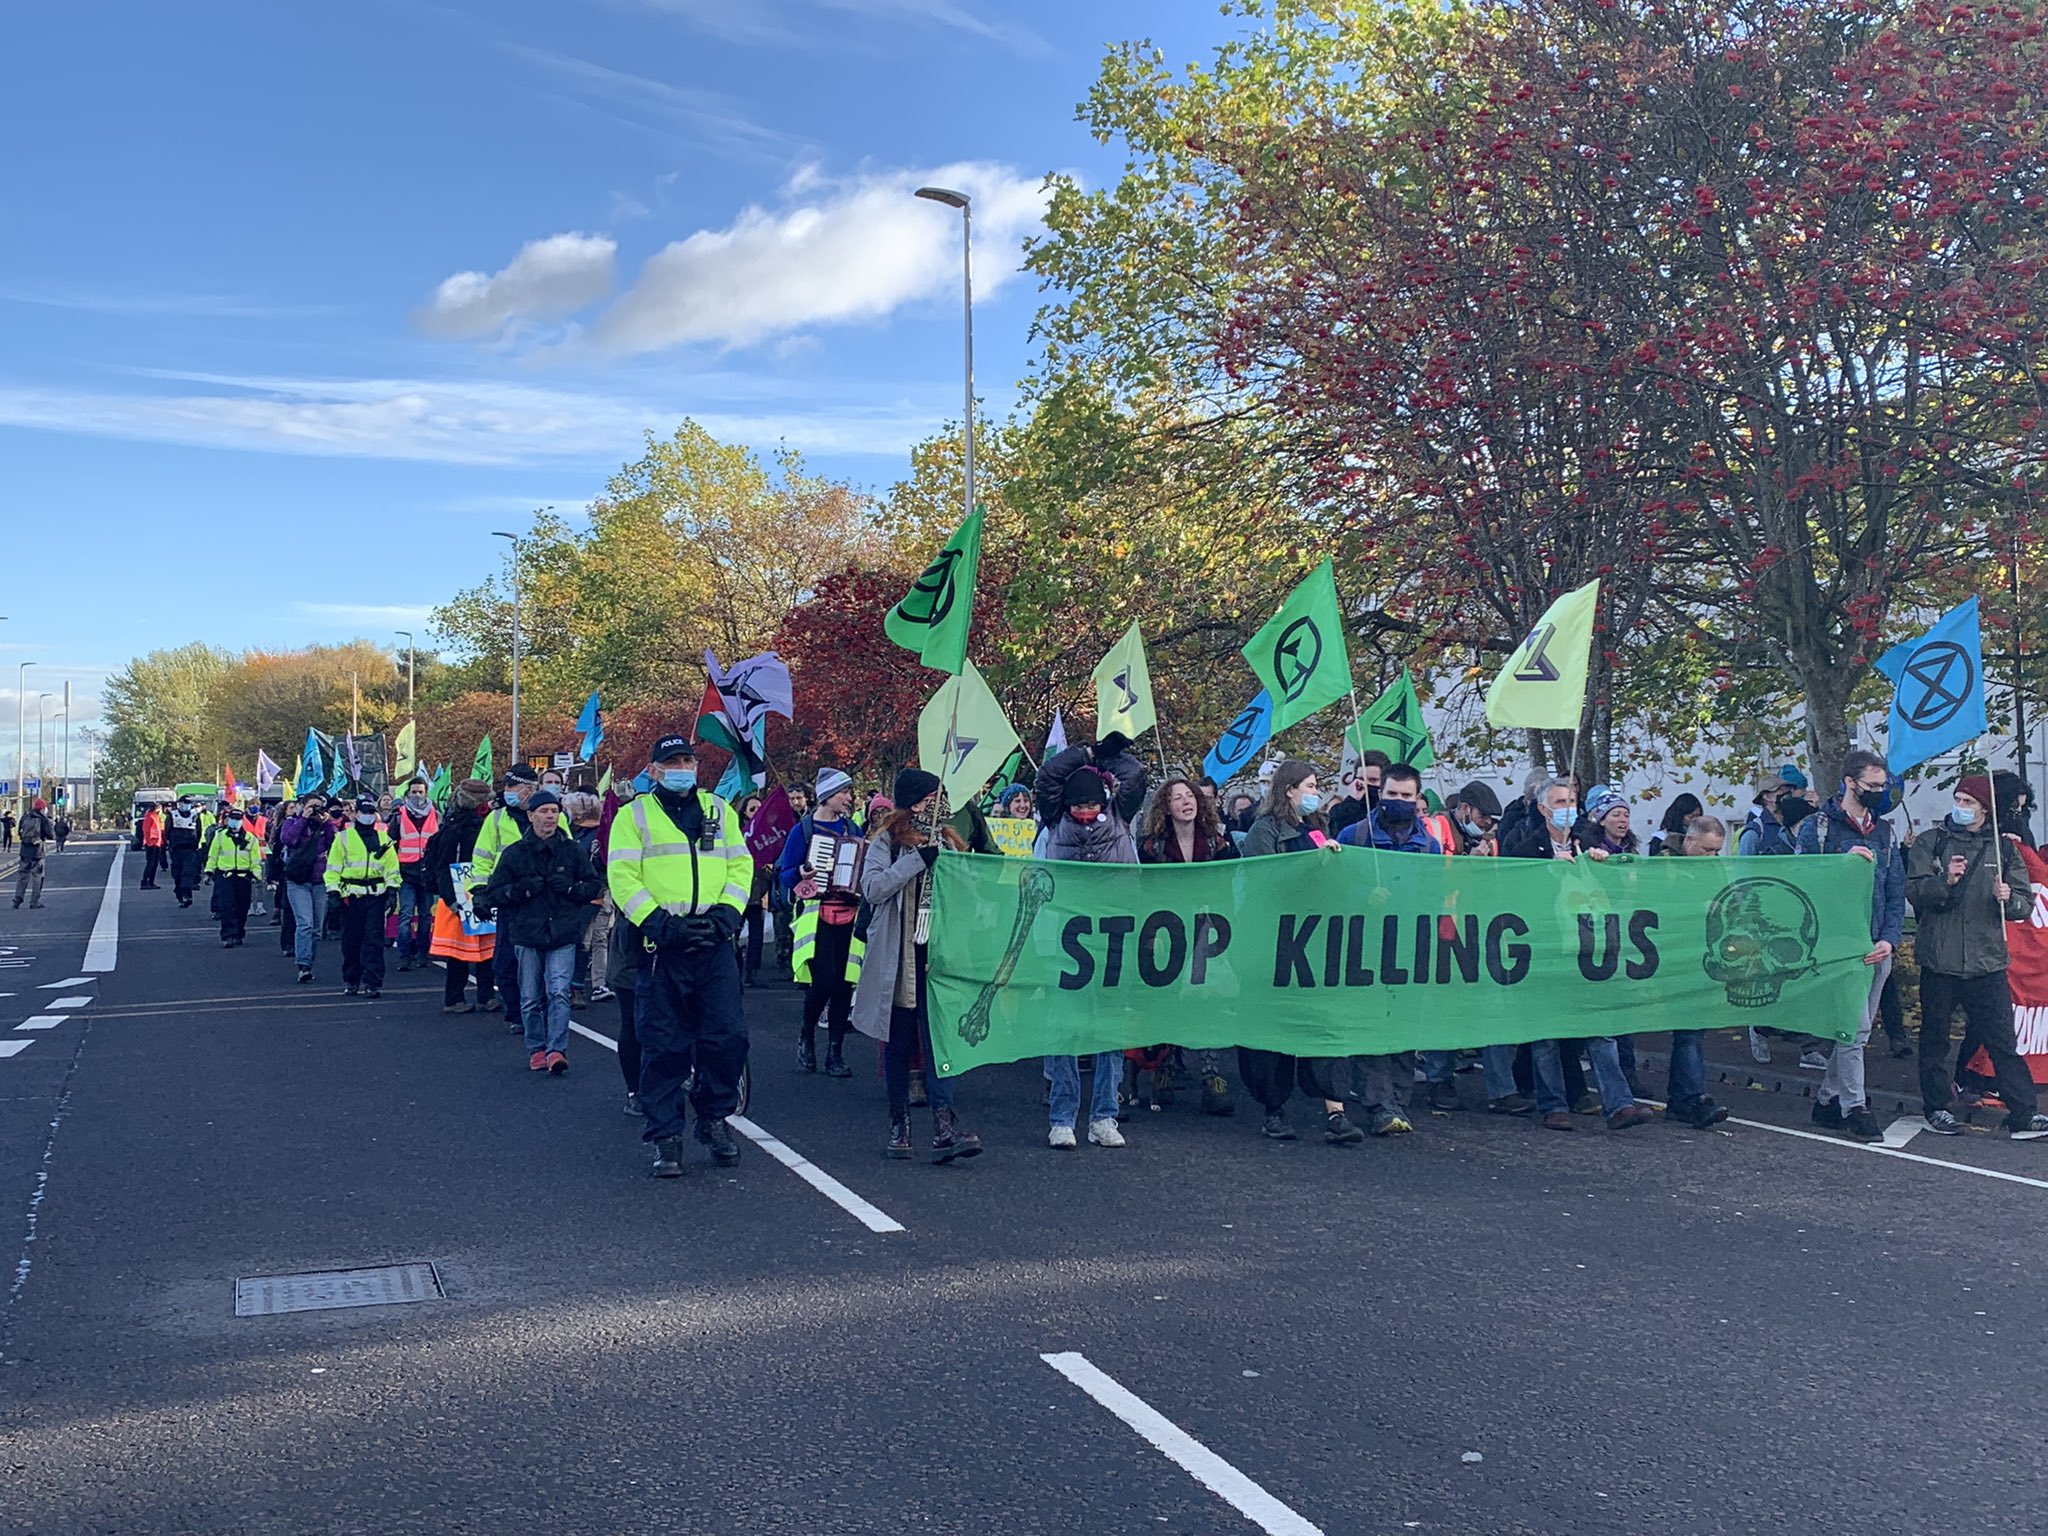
701, 117
460, 421
793, 23
398, 614
200, 306
945, 13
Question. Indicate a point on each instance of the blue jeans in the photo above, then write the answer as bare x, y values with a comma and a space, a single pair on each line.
415, 907
1064, 1073
1688, 1066
544, 994
1496, 1063
309, 913
1606, 1059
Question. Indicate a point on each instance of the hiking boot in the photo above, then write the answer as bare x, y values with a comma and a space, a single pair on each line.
1443, 1095
899, 1145
1216, 1099
668, 1158
633, 1105
1103, 1133
806, 1053
1861, 1125
717, 1135
1628, 1116
1587, 1103
1390, 1122
1827, 1114
537, 1062
1338, 1131
557, 1063
949, 1141
1276, 1127
918, 1097
1944, 1123
1060, 1138
1512, 1104
835, 1061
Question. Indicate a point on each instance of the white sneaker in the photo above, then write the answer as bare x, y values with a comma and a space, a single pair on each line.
1103, 1133
1061, 1137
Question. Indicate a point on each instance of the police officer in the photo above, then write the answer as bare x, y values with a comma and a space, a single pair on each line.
501, 829
188, 823
362, 872
679, 871
234, 863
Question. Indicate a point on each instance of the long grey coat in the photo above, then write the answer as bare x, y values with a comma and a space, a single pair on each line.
883, 875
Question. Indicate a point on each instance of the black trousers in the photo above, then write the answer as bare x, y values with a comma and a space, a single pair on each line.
689, 1018
287, 925
1268, 1076
1986, 1002
829, 995
152, 861
231, 895
362, 941
627, 998
455, 982
184, 871
505, 976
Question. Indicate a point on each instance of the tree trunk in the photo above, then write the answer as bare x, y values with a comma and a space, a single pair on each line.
1827, 685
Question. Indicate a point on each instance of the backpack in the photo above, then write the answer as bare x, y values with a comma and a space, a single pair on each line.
303, 859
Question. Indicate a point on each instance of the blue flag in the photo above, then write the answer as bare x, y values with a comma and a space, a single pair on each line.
591, 724
1241, 740
1938, 689
311, 769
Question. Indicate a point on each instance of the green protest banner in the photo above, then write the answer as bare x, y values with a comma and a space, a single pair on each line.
1347, 951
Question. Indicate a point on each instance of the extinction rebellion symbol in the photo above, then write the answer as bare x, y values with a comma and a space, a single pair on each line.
1947, 679
1240, 738
1296, 654
935, 587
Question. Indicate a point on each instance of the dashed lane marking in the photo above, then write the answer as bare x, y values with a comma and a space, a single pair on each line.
43, 1021
68, 981
13, 1047
69, 1002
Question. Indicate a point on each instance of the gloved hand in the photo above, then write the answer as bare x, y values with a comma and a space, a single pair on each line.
663, 929
930, 854
728, 921
698, 934
559, 882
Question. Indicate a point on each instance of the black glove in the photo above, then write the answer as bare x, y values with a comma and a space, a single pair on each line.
559, 882
663, 929
699, 934
728, 921
930, 854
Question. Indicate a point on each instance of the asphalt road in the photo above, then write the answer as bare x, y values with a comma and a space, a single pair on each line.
1481, 1327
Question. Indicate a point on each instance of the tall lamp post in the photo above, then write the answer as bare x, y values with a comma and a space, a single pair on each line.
965, 204
409, 654
20, 738
513, 538
64, 770
42, 752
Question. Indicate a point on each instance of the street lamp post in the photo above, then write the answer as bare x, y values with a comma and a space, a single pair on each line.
965, 204
20, 737
42, 752
64, 770
410, 651
514, 538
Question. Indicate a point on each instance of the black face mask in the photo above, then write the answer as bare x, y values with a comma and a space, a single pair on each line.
1397, 813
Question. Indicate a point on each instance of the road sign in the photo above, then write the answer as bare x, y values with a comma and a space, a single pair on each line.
6, 786
31, 785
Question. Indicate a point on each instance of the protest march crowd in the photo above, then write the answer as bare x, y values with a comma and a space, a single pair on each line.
656, 895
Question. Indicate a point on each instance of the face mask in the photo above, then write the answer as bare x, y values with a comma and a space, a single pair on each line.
366, 819
1311, 802
679, 781
234, 821
1563, 817
417, 802
1963, 816
1397, 813
642, 783
1880, 804
1086, 814
1471, 828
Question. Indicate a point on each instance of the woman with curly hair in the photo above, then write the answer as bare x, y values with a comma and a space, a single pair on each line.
1182, 827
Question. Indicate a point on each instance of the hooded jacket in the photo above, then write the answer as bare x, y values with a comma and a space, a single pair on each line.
1831, 831
1961, 927
1120, 765
1373, 833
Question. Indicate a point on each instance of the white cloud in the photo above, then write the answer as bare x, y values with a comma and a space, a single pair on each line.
548, 279
837, 252
670, 112
470, 422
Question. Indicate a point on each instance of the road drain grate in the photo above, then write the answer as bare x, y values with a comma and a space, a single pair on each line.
317, 1290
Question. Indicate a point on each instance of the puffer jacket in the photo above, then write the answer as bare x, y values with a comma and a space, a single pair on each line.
1051, 786
1961, 929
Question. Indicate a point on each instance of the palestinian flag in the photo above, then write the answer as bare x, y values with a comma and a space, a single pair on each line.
717, 728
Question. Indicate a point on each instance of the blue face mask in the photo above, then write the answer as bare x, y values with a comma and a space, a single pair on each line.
643, 783
1563, 817
679, 781
1963, 816
1311, 802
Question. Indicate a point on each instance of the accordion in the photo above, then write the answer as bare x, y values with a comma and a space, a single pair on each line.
836, 862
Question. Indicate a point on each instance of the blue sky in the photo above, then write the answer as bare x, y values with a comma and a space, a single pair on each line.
387, 276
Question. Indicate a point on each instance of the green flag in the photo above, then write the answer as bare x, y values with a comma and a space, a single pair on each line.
963, 735
404, 748
438, 790
1123, 688
1300, 654
935, 613
604, 782
481, 768
1393, 723
1364, 953
1543, 685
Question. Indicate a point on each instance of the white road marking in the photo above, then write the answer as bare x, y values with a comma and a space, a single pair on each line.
13, 1047
1903, 1130
68, 981
1183, 1449
870, 1216
1911, 1157
69, 1002
43, 1021
103, 947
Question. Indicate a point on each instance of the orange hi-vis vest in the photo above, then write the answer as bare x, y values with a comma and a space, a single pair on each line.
412, 836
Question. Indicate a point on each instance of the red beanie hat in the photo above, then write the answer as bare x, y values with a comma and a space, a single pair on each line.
1978, 788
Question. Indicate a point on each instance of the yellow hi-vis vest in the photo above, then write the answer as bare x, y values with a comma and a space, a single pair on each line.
498, 833
352, 870
224, 858
650, 864
804, 939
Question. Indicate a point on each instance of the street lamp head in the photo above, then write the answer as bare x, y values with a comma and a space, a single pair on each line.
500, 534
945, 195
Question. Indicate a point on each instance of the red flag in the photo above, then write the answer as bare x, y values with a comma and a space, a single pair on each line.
227, 775
2027, 975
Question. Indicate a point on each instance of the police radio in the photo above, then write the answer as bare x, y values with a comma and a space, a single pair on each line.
714, 823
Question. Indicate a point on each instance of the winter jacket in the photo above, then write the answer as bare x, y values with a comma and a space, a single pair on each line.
34, 831
305, 841
235, 853
542, 889
1961, 928
796, 849
362, 861
1269, 834
1349, 812
1532, 841
453, 844
1762, 834
1165, 848
1831, 831
1051, 785
1106, 840
1372, 833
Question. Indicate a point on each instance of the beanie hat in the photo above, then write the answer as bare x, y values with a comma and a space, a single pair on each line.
1793, 778
1481, 798
1978, 788
1602, 800
545, 795
831, 781
912, 785
1010, 790
474, 793
1115, 744
1085, 786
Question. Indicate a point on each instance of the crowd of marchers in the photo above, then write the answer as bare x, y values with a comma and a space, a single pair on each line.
536, 895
